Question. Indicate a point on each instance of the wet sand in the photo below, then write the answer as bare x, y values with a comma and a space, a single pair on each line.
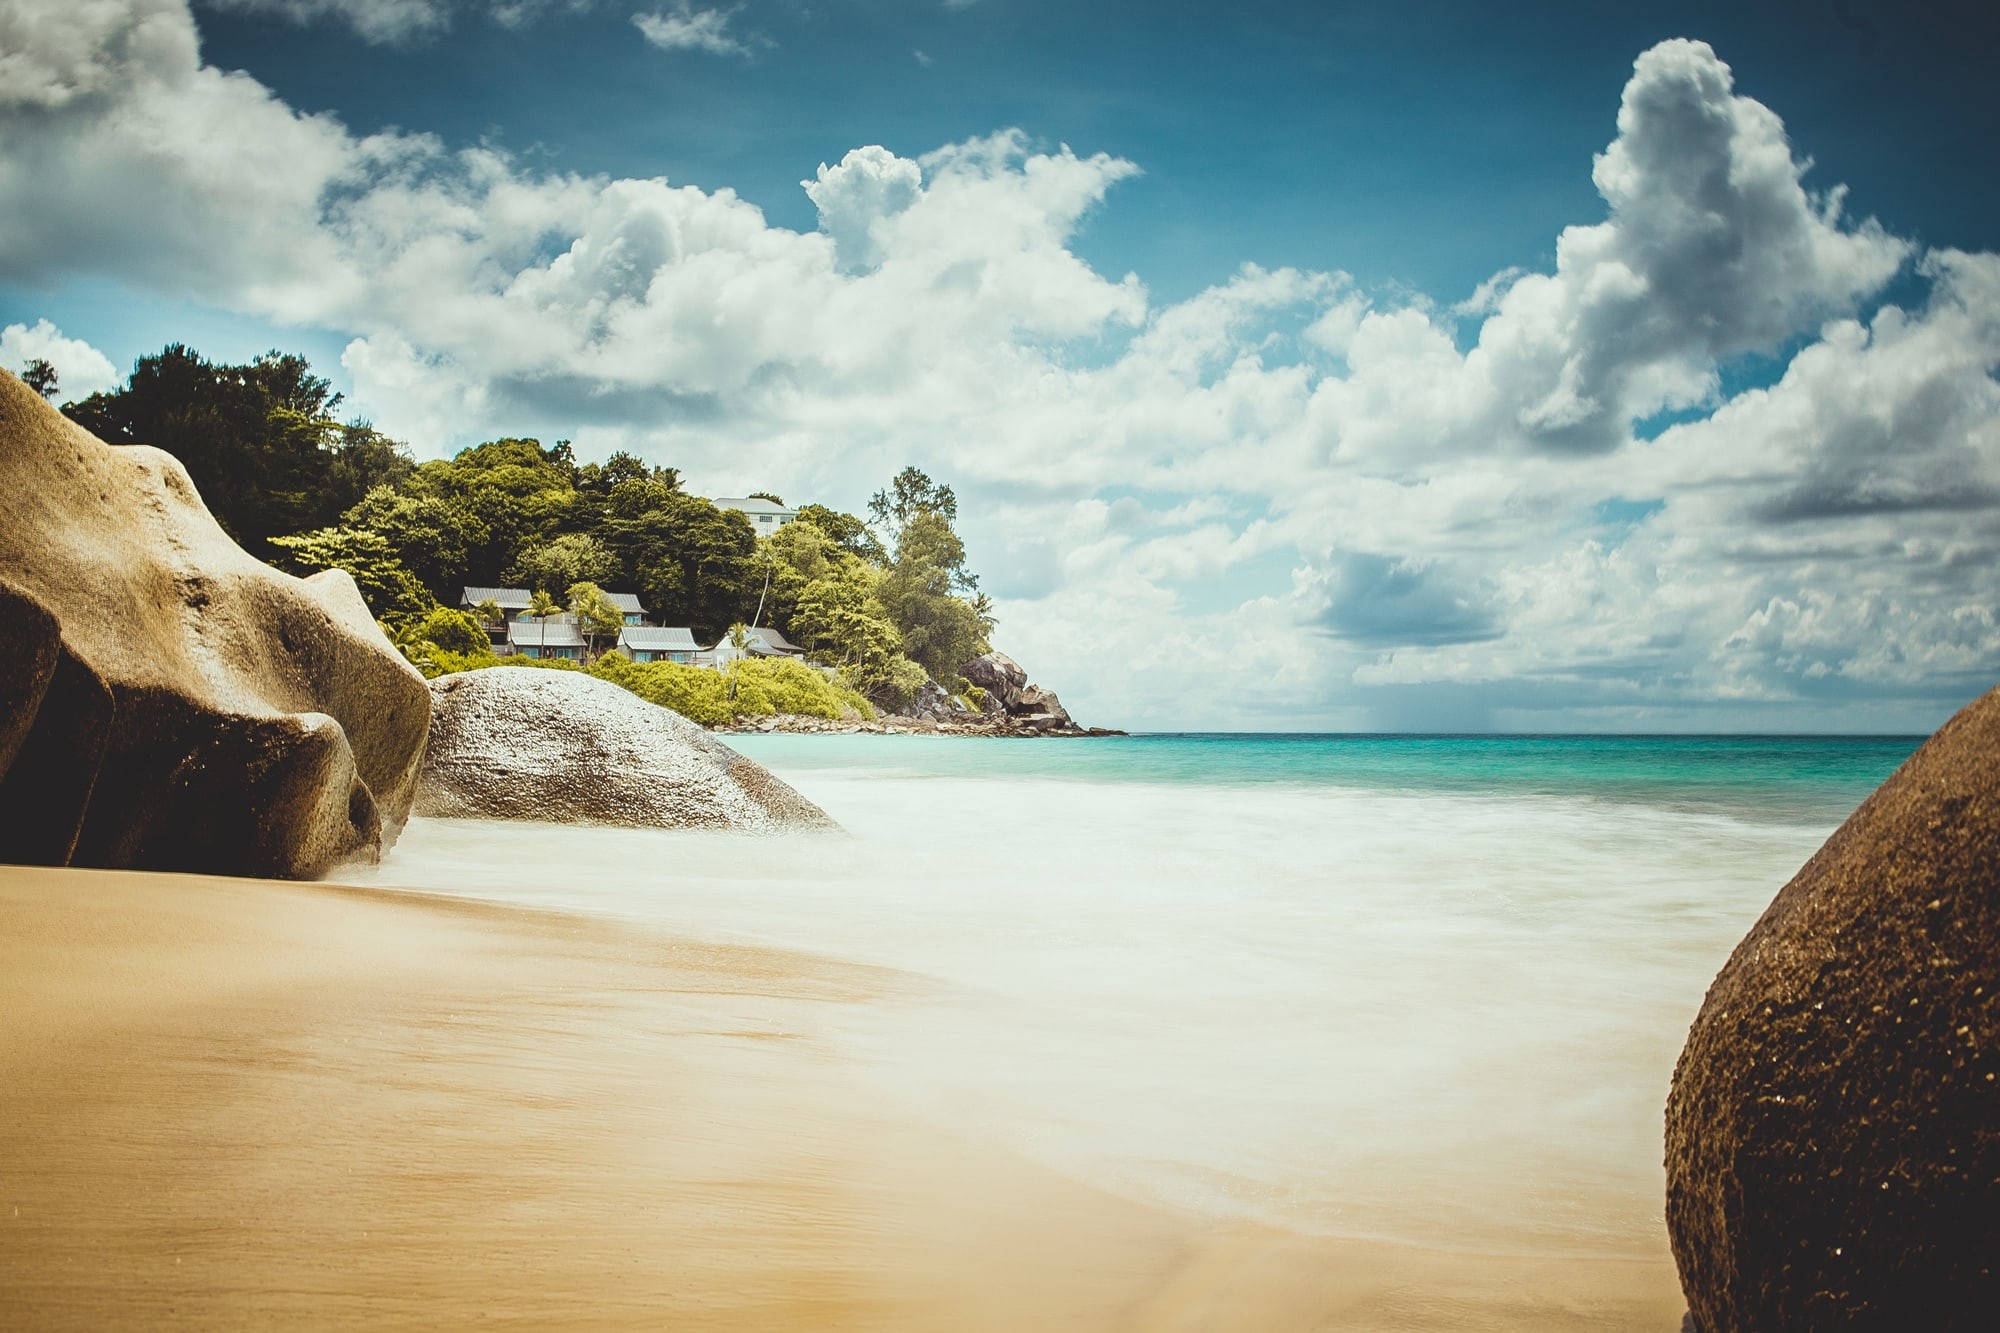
230, 1103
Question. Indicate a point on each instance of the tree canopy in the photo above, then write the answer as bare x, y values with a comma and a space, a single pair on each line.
889, 603
261, 441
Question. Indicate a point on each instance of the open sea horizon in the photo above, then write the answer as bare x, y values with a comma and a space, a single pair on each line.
1419, 988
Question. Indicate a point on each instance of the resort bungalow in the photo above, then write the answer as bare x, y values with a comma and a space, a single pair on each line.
645, 644
628, 602
558, 636
765, 642
766, 516
513, 604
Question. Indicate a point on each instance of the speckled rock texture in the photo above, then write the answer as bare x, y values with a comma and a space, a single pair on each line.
561, 746
167, 701
1833, 1133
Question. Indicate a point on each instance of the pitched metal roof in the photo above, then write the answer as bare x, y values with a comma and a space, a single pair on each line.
508, 599
751, 504
536, 634
627, 602
775, 640
657, 640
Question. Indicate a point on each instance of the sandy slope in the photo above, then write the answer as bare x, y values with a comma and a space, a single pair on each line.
229, 1102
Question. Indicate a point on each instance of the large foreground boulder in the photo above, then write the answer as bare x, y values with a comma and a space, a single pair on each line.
562, 746
1833, 1134
167, 701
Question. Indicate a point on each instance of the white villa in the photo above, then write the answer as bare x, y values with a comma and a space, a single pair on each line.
765, 516
765, 642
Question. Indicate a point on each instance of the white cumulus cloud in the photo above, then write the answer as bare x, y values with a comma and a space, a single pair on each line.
81, 369
394, 22
1286, 500
685, 28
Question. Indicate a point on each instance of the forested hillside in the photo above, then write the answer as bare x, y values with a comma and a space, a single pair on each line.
889, 600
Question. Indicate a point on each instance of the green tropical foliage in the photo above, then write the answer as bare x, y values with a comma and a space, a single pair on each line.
887, 604
262, 441
752, 687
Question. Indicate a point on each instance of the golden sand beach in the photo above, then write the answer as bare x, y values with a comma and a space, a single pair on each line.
233, 1103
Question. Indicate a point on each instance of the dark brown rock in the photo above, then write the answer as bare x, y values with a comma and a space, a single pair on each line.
1833, 1133
167, 701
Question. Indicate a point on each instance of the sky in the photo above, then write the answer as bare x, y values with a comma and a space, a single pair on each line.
1434, 366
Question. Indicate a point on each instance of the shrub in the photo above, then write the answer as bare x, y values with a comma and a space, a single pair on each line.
696, 693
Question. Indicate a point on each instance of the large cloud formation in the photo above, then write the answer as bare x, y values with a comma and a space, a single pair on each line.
1284, 501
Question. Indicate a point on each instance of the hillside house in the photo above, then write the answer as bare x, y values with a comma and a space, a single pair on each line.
765, 516
628, 602
647, 644
557, 636
764, 642
513, 604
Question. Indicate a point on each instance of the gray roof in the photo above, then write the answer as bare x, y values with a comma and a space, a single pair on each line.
657, 640
627, 602
775, 640
751, 504
509, 599
536, 634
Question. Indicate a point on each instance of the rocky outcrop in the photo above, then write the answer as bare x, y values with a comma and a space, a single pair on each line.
1039, 710
167, 701
893, 724
1025, 705
1000, 676
933, 703
1833, 1133
561, 746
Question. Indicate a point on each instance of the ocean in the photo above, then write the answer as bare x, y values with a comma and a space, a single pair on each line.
1425, 989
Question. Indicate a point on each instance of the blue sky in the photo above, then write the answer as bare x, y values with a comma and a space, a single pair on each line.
1252, 336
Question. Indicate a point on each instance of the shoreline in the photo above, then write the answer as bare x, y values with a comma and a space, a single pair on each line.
236, 1101
796, 724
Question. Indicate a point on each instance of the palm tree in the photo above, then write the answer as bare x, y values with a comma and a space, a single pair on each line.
541, 607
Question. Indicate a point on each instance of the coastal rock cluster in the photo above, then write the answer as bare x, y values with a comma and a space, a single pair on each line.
972, 724
561, 746
1010, 707
1833, 1133
1010, 695
167, 701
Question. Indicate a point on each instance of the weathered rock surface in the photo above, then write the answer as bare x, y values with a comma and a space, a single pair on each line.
1027, 705
932, 702
167, 701
1039, 710
1833, 1134
999, 675
527, 743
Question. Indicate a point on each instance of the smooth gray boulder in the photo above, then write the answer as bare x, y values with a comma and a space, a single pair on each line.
566, 747
1833, 1133
167, 700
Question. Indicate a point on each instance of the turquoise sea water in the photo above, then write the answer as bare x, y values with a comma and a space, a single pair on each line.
1810, 778
1421, 988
